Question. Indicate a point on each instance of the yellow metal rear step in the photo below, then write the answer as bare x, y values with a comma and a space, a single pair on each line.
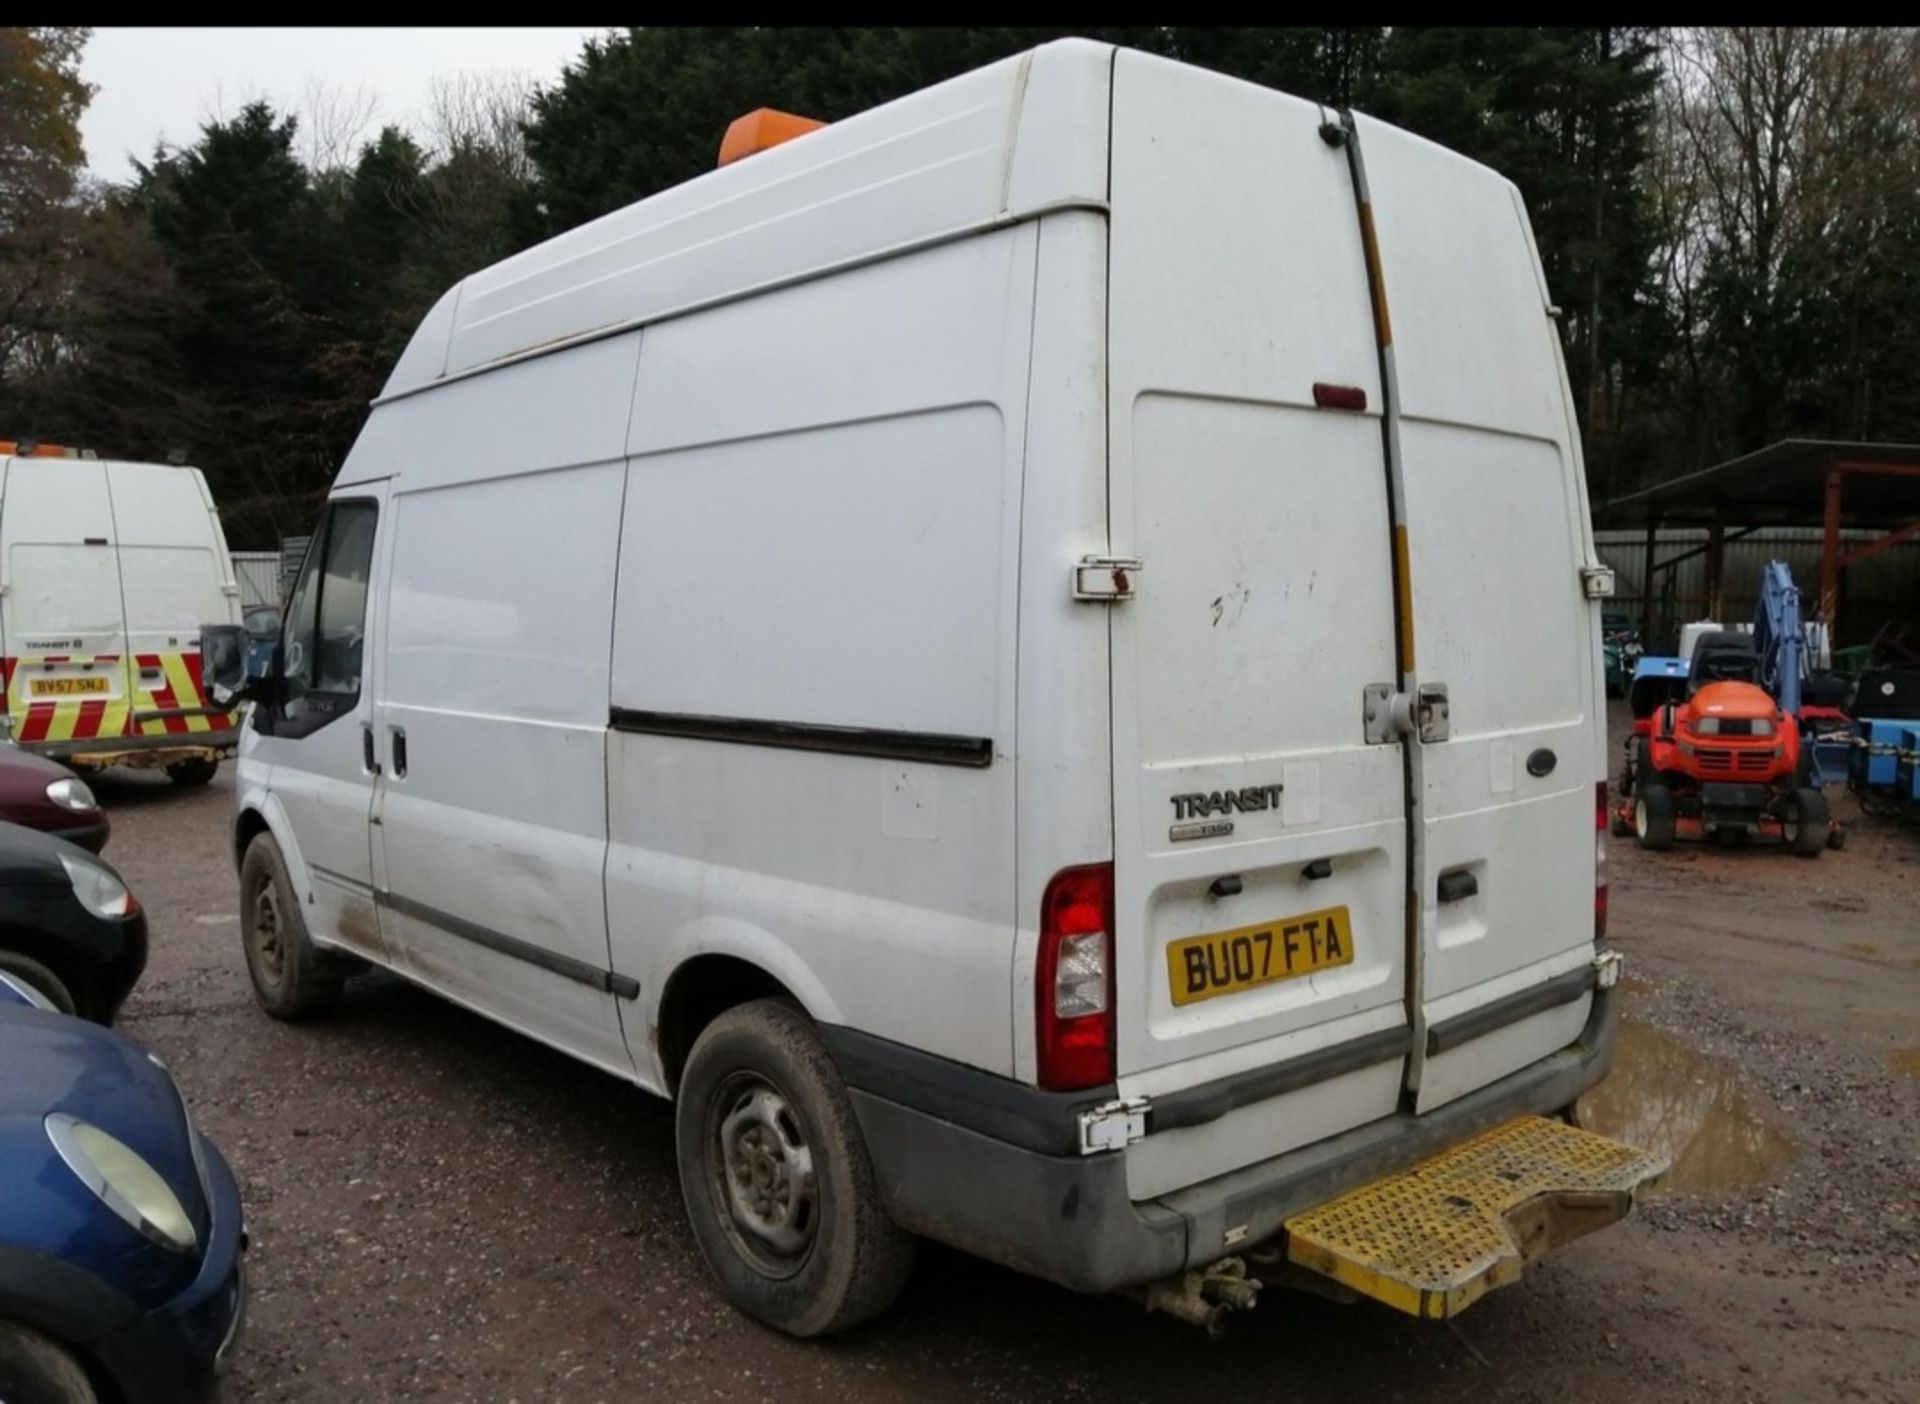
1433, 1240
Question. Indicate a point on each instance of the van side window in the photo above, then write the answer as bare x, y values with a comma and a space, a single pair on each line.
326, 620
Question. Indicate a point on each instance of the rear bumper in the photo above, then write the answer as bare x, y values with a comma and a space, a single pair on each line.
142, 750
1068, 1218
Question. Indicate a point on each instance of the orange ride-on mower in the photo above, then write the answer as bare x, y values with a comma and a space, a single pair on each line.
1723, 761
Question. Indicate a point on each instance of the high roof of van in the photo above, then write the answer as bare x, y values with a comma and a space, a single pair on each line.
999, 144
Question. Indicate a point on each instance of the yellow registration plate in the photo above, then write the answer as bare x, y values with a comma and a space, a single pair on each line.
67, 687
1247, 957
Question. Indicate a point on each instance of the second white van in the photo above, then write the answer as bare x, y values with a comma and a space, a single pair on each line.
1031, 658
108, 570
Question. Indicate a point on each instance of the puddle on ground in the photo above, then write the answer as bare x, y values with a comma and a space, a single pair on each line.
1666, 1097
1905, 1060
1635, 985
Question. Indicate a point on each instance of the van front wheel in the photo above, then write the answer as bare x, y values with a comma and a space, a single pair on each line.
293, 979
781, 1194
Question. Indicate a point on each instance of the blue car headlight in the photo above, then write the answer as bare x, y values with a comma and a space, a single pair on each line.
122, 1181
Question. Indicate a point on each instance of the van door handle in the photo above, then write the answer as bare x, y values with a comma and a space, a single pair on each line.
399, 742
366, 748
1456, 887
1317, 869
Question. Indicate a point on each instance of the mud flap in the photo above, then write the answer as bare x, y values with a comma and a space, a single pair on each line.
1434, 1239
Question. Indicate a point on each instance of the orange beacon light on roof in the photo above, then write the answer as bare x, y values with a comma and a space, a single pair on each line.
761, 129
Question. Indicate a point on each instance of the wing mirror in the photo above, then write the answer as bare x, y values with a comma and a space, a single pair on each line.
223, 664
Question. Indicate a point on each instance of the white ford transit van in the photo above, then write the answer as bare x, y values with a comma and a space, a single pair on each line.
1031, 657
108, 570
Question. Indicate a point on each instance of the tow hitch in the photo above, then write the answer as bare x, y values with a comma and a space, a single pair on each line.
1433, 1239
1204, 1296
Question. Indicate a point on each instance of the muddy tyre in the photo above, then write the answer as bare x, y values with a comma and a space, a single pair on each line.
292, 978
198, 771
1805, 823
30, 971
34, 1369
780, 1191
1654, 816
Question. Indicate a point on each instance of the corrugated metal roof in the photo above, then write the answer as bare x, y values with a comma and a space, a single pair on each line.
1783, 484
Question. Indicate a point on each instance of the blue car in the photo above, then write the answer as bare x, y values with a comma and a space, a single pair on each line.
121, 1233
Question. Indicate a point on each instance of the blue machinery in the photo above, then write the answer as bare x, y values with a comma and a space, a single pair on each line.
1780, 641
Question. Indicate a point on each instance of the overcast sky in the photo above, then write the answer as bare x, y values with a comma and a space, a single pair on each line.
156, 84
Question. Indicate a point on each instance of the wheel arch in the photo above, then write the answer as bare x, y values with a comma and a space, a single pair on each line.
66, 1304
701, 989
259, 813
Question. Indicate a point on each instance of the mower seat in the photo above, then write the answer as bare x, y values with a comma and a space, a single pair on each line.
1724, 656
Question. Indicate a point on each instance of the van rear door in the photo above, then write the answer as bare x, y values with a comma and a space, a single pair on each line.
60, 602
1259, 841
1268, 888
177, 577
1497, 532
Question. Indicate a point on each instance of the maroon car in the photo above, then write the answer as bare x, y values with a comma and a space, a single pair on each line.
43, 794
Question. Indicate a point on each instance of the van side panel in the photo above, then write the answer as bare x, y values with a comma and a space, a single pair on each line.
1065, 814
498, 613
1495, 503
821, 531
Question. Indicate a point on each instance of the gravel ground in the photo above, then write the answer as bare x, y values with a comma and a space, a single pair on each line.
441, 1210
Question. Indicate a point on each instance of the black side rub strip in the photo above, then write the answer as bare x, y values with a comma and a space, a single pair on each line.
932, 747
625, 986
1212, 1100
1497, 1014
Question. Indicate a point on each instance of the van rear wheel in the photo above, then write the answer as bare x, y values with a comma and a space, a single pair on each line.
780, 1191
195, 771
292, 978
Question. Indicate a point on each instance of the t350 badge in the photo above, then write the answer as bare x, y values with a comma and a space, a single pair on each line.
1193, 814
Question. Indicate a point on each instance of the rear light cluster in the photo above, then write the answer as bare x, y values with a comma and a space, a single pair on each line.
1600, 862
1073, 980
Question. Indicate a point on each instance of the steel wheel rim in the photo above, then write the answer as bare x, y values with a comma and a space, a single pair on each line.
761, 1174
268, 943
1640, 818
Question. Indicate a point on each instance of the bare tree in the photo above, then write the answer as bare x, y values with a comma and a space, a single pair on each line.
1790, 159
1741, 103
481, 113
334, 121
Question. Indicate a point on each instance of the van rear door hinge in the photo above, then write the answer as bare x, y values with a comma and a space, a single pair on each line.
1597, 582
1105, 579
1114, 1125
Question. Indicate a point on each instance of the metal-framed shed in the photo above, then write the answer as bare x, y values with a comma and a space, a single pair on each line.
1831, 484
